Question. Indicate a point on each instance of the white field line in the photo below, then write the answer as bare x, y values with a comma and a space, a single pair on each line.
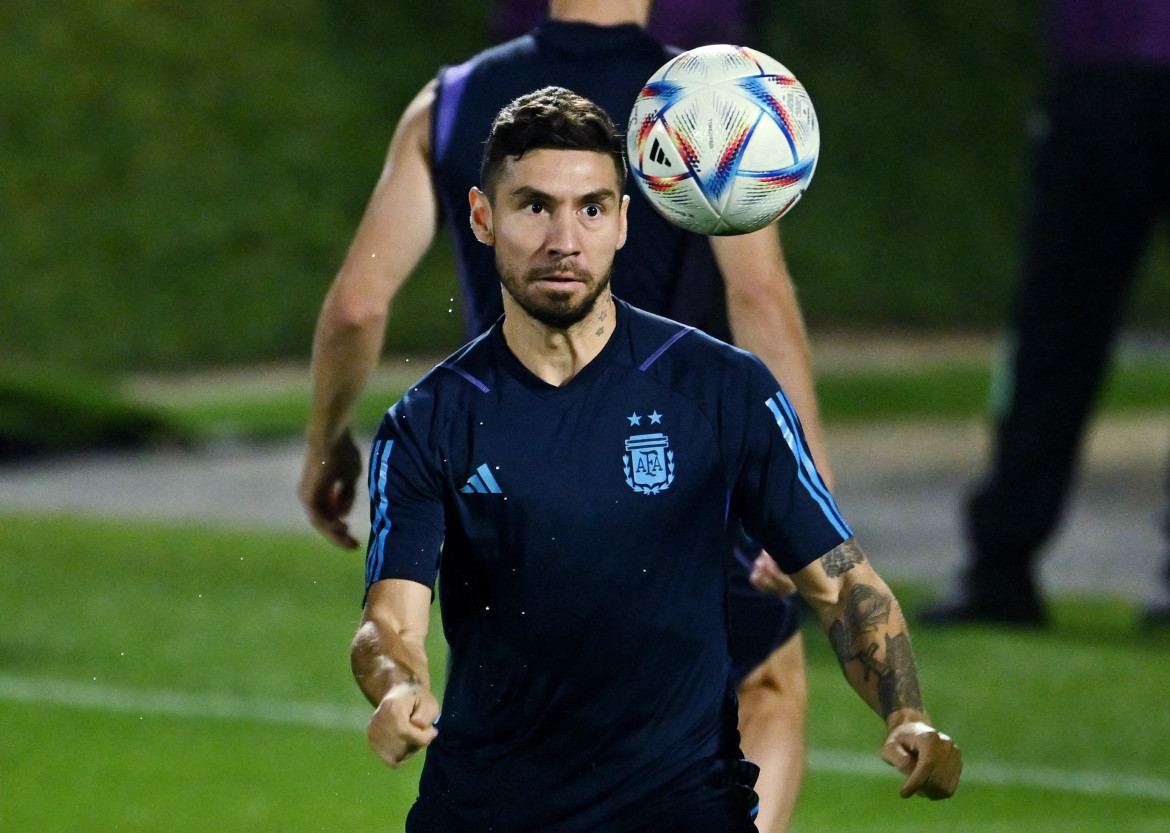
96, 697
993, 773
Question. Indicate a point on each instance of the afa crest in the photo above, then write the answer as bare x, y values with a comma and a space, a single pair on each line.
648, 463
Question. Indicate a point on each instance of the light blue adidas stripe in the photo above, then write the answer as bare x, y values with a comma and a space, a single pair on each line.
379, 467
807, 473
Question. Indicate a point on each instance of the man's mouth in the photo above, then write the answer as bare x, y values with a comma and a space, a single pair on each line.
564, 275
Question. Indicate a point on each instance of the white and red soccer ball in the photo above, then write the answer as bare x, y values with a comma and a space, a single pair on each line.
723, 140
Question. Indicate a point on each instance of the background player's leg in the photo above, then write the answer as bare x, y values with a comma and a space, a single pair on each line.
773, 700
1090, 215
1156, 610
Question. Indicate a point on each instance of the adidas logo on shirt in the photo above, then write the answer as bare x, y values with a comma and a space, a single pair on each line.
482, 483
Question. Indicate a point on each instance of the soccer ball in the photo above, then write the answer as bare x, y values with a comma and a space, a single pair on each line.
723, 140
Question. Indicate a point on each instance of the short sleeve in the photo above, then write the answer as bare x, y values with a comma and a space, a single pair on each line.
778, 493
406, 504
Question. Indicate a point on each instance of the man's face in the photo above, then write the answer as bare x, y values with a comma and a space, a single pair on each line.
556, 219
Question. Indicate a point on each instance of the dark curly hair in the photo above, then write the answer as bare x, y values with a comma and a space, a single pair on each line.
551, 117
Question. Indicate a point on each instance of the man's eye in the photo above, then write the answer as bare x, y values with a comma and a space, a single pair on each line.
593, 211
535, 207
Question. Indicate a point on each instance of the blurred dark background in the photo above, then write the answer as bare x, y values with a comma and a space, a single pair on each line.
180, 180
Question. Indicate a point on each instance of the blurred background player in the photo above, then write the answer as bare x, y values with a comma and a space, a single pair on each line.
598, 49
1100, 179
682, 23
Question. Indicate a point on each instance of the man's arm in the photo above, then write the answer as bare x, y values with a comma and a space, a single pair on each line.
766, 320
395, 232
389, 663
868, 634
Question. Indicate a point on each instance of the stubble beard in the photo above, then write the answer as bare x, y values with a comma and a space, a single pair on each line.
554, 309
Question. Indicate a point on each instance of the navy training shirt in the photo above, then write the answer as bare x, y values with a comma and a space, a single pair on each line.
662, 268
580, 537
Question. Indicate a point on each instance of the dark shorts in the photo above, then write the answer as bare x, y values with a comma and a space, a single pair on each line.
759, 622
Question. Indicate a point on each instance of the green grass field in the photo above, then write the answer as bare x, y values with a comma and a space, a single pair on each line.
171, 678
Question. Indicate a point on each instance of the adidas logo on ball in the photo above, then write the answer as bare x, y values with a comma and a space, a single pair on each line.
723, 140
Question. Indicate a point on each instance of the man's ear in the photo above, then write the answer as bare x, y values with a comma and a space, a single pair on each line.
623, 219
481, 217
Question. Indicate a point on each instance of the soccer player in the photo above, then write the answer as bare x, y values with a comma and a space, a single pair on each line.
600, 49
1102, 128
682, 23
569, 477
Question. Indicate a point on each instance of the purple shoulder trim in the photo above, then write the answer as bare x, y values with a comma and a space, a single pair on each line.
670, 342
466, 375
452, 82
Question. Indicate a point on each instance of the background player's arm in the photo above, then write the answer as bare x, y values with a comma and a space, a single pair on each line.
869, 636
395, 232
389, 662
765, 319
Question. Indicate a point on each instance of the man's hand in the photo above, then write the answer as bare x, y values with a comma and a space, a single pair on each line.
929, 759
403, 723
327, 488
767, 577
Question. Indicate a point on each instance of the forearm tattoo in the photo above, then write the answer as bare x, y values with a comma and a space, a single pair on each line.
855, 639
841, 559
898, 686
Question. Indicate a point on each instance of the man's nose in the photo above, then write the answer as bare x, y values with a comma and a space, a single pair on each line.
563, 238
